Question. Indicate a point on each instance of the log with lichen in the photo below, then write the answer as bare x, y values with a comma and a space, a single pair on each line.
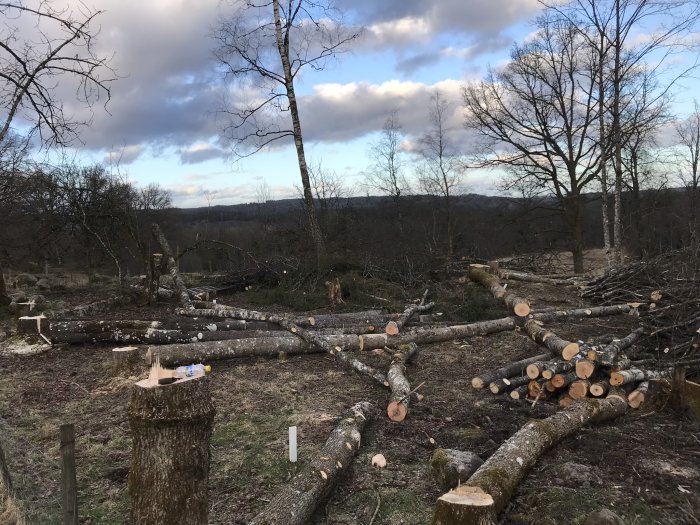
295, 503
500, 475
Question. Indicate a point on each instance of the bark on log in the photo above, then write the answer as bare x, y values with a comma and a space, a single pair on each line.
520, 392
271, 346
510, 370
394, 327
609, 353
558, 367
155, 262
162, 337
506, 384
638, 395
598, 311
502, 472
563, 380
96, 326
171, 265
296, 502
553, 343
171, 428
529, 277
520, 306
399, 385
635, 375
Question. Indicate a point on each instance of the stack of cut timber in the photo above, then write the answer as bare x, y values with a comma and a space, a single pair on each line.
591, 372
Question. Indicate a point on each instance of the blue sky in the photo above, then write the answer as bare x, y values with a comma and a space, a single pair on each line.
162, 124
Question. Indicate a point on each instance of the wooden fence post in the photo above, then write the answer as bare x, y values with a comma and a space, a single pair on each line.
69, 486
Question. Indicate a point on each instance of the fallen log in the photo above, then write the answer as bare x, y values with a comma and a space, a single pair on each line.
499, 476
609, 353
635, 375
638, 395
600, 388
553, 343
298, 498
563, 380
162, 337
529, 277
557, 367
520, 392
479, 273
171, 266
399, 385
505, 384
394, 327
93, 326
598, 311
271, 346
512, 369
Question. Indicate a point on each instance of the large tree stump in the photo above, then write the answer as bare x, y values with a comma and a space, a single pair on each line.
465, 505
295, 503
171, 427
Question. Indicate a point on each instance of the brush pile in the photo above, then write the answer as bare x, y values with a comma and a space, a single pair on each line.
667, 289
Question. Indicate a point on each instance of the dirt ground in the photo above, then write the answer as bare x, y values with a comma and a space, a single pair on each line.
644, 466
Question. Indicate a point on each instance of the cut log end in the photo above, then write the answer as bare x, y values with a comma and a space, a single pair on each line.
570, 351
465, 505
533, 371
477, 383
397, 411
522, 309
392, 328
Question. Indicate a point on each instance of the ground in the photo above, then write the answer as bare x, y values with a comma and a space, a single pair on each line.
645, 466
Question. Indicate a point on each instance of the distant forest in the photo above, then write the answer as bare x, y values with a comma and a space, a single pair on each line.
90, 221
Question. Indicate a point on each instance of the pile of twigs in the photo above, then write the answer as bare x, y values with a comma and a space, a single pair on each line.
667, 289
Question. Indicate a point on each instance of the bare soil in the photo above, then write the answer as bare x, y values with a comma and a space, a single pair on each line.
645, 466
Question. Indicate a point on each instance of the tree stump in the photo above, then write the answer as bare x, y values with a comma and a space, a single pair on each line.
124, 359
171, 427
465, 506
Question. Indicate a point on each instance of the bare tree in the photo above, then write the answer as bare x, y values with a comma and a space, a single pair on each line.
59, 47
441, 169
265, 45
535, 117
689, 140
612, 26
386, 173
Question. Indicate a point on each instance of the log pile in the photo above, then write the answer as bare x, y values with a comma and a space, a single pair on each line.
591, 371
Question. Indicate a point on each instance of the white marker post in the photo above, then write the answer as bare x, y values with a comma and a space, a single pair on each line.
293, 444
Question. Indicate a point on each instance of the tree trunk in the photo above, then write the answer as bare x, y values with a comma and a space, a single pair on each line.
635, 375
465, 506
397, 408
155, 262
298, 498
171, 264
283, 49
160, 337
502, 472
171, 427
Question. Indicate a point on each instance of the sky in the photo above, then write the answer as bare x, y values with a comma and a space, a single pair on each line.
164, 124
